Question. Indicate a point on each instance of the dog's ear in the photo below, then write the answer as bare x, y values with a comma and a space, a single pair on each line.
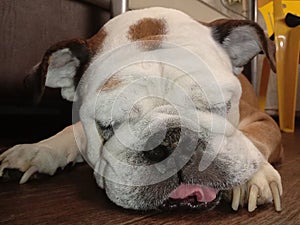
242, 40
61, 67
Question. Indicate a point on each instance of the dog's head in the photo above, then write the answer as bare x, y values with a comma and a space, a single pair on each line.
159, 103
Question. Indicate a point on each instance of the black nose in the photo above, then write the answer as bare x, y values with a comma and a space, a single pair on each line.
157, 154
161, 145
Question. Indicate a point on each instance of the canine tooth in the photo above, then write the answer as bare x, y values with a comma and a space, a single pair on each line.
28, 174
276, 196
252, 198
236, 195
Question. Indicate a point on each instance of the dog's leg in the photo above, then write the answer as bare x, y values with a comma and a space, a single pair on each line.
265, 185
45, 156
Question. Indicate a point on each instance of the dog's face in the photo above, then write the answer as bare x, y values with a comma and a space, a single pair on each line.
159, 103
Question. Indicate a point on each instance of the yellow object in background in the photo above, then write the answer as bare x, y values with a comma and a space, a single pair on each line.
267, 12
287, 41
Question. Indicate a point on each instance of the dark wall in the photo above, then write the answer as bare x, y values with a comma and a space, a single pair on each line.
27, 29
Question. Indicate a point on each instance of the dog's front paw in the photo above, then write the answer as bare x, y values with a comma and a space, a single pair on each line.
32, 158
264, 187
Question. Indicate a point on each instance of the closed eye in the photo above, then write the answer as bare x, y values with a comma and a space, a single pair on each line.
106, 132
220, 108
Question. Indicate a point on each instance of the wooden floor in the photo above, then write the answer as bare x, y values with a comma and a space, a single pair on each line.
72, 197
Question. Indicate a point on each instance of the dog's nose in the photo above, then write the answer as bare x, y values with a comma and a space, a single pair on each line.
157, 154
160, 145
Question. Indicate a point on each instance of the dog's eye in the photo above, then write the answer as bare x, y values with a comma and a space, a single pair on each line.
157, 154
105, 131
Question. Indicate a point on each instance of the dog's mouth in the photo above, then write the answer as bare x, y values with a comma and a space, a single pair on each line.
192, 197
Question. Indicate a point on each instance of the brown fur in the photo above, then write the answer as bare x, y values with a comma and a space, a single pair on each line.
111, 83
259, 127
150, 32
96, 42
82, 49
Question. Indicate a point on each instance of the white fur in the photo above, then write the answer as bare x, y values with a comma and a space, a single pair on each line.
190, 37
61, 71
241, 45
48, 155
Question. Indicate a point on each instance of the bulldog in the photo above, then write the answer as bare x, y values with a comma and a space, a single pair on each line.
166, 118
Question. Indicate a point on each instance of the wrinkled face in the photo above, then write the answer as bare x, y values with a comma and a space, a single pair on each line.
159, 104
158, 141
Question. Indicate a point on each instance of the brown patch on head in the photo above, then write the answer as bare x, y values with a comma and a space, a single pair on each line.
110, 84
149, 31
95, 43
147, 28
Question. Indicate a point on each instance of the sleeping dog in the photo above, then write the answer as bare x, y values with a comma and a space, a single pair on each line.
166, 118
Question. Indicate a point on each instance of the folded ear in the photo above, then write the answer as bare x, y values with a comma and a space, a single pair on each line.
242, 40
61, 67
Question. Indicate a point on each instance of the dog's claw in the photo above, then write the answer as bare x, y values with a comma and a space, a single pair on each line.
236, 196
263, 187
32, 158
28, 174
252, 198
276, 196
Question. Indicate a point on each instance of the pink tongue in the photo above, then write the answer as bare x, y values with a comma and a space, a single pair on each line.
202, 193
